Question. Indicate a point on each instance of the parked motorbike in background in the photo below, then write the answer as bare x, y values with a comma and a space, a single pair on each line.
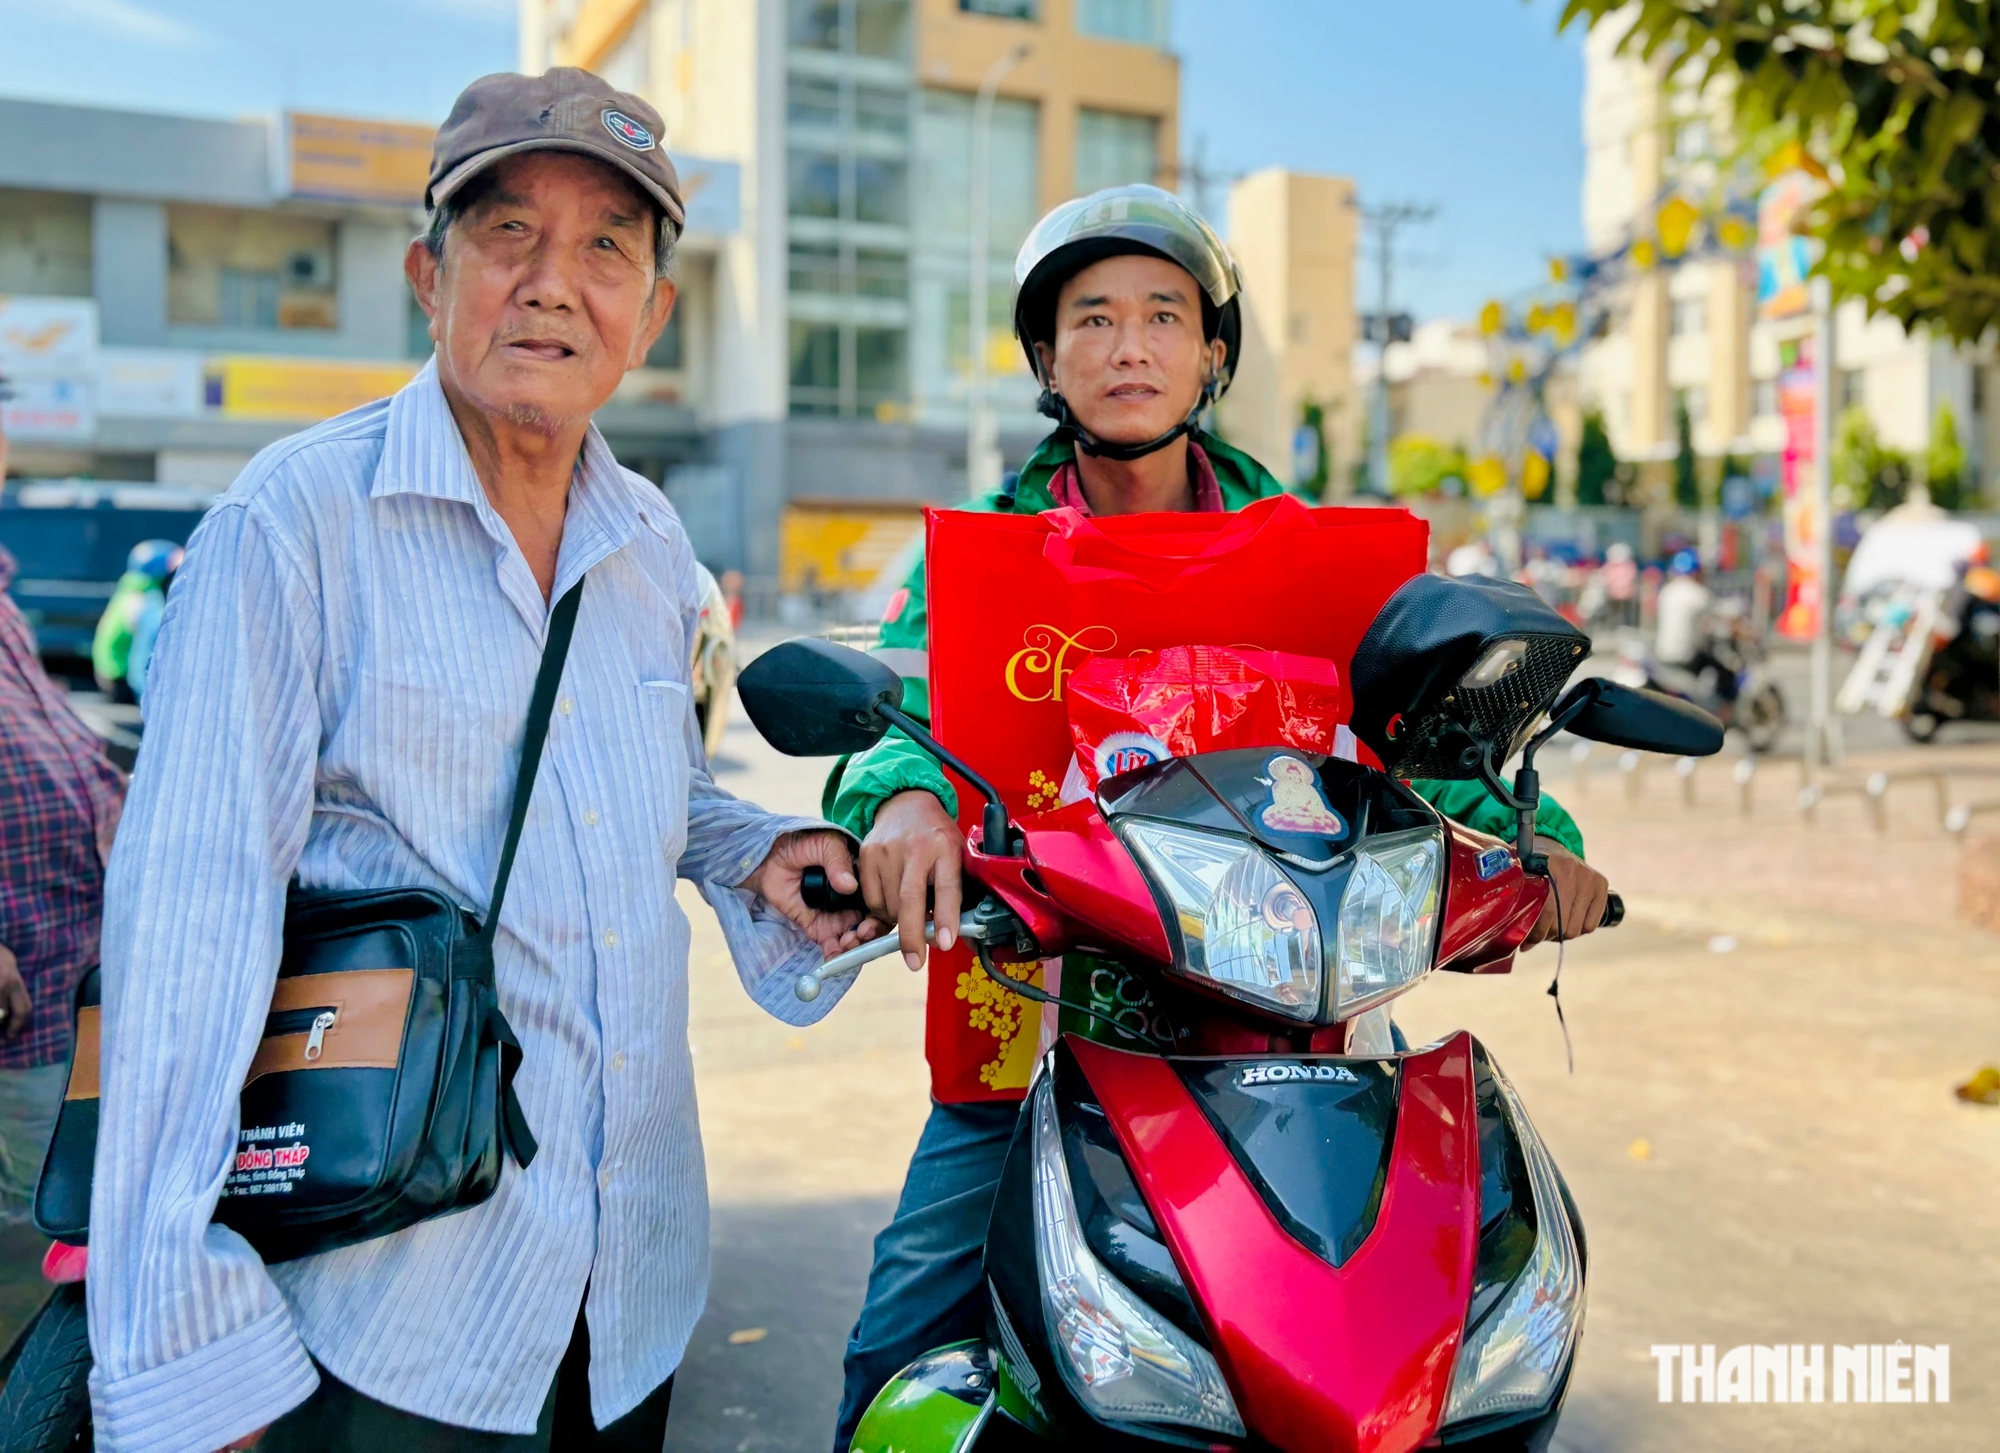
1234, 1215
1961, 680
1729, 677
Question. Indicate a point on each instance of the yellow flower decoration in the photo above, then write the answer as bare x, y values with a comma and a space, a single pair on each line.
1044, 791
994, 1009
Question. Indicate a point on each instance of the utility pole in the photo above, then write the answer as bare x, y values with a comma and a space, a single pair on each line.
983, 461
1384, 221
1198, 178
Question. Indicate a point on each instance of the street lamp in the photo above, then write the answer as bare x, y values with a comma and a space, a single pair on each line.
982, 430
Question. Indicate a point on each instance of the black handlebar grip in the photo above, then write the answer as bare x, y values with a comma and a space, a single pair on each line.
821, 897
1614, 911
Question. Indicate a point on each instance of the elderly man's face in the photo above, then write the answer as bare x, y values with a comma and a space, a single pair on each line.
545, 294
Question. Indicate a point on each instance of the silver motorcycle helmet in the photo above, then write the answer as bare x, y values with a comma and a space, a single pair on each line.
1117, 222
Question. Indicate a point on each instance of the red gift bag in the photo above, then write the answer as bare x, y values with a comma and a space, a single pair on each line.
1019, 602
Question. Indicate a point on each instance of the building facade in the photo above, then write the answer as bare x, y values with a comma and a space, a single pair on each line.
176, 293
829, 349
1689, 336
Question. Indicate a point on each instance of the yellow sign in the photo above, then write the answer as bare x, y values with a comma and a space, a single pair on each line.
840, 546
341, 159
298, 388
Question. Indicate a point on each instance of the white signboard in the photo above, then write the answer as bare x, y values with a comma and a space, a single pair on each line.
149, 383
48, 354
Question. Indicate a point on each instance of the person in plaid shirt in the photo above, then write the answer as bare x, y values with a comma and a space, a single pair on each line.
59, 802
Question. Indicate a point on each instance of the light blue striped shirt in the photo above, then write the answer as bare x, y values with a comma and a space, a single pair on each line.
340, 693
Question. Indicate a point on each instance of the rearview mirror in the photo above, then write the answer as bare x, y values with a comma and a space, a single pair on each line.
811, 698
1647, 721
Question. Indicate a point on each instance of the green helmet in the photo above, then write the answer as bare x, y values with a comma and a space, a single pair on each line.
1116, 222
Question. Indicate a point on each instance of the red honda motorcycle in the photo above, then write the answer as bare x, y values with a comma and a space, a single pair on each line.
1234, 1215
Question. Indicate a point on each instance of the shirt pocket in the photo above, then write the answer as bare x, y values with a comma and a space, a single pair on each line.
663, 746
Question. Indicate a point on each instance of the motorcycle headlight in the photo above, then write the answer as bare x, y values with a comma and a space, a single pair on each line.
1240, 922
1119, 1358
1387, 935
1509, 1362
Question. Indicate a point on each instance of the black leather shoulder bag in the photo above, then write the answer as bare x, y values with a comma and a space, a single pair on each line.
383, 1091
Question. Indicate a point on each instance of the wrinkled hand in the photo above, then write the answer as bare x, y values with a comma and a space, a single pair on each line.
777, 880
914, 847
1583, 891
16, 1008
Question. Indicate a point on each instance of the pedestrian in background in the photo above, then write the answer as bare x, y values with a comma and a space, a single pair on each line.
59, 802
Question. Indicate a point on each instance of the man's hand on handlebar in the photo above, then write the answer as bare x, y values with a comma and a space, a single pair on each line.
778, 879
914, 853
1583, 892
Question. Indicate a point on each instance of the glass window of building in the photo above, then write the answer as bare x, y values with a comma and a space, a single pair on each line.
669, 350
815, 269
881, 190
880, 274
881, 112
45, 244
815, 372
1005, 9
813, 185
811, 101
814, 24
879, 367
1114, 149
1144, 22
882, 28
250, 270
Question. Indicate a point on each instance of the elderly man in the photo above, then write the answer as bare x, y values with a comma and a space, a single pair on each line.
339, 697
59, 801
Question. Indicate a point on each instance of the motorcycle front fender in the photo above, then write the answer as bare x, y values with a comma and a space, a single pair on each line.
938, 1404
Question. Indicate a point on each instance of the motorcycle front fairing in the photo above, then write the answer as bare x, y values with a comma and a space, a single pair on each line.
1326, 1228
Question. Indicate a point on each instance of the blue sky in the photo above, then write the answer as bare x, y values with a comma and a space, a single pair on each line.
1473, 105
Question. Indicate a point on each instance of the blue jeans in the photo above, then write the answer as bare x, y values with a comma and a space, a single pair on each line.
927, 1286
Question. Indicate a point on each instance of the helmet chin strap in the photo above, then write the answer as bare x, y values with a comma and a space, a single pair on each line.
1056, 407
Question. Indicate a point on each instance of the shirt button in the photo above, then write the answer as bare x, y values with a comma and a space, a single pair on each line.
566, 706
604, 1178
610, 938
590, 817
618, 1061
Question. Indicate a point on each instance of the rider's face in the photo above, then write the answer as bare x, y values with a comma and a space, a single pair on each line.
1129, 354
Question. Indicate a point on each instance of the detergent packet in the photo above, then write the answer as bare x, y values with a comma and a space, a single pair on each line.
1126, 713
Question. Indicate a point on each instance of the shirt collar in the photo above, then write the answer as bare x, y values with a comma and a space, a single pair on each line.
423, 453
1066, 484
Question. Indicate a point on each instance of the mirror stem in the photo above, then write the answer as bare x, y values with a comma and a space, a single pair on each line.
1524, 800
996, 832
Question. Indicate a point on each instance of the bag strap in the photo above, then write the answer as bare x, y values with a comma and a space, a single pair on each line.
562, 625
475, 960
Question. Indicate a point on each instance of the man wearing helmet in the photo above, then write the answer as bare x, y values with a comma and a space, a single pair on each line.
1129, 312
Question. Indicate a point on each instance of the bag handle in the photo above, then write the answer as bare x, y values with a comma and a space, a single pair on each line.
562, 625
1078, 546
477, 960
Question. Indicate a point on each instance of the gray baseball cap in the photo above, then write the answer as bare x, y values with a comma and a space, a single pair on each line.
564, 109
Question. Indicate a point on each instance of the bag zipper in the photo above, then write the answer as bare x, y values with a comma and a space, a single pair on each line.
316, 1022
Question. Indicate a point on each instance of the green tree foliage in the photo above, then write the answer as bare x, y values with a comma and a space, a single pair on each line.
1596, 462
1420, 465
1944, 461
1687, 477
1313, 416
1894, 100
1866, 473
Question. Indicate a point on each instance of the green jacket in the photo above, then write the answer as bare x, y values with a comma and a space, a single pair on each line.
859, 785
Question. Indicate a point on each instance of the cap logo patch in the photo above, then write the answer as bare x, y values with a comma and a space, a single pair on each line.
628, 131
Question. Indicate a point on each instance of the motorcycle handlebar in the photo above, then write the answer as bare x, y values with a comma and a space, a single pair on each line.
821, 897
1614, 911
